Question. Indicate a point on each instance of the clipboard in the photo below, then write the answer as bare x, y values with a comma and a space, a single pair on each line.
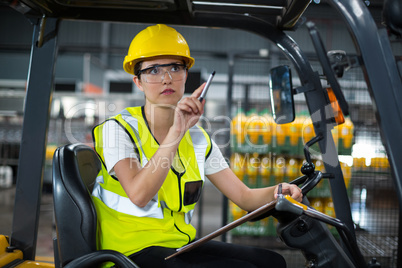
256, 213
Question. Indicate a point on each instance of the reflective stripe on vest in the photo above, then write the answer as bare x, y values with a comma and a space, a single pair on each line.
124, 204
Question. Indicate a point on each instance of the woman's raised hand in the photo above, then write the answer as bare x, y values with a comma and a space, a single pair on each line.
188, 111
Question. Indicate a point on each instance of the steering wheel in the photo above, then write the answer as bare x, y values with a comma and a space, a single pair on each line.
308, 182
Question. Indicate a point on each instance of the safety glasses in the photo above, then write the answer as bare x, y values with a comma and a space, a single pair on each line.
156, 73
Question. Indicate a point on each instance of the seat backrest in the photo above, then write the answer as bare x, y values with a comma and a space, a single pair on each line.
75, 168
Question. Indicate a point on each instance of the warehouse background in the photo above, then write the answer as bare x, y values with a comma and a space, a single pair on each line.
90, 85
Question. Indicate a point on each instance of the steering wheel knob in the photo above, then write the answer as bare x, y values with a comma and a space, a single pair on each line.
308, 168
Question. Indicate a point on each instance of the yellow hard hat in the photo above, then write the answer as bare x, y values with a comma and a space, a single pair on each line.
156, 40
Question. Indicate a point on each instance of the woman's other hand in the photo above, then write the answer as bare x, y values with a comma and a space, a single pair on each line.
290, 189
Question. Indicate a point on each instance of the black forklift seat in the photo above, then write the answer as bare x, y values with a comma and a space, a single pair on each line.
75, 168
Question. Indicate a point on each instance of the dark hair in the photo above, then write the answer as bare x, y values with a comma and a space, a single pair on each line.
137, 68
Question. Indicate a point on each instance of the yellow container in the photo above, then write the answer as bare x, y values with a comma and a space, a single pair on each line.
292, 169
253, 166
280, 133
265, 170
318, 204
375, 162
329, 207
266, 127
359, 163
278, 169
346, 132
253, 126
347, 173
379, 163
237, 128
294, 132
308, 129
384, 163
238, 165
236, 212
50, 149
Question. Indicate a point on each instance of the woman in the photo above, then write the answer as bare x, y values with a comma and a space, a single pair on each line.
155, 159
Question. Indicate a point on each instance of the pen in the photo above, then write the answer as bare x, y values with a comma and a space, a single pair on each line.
205, 90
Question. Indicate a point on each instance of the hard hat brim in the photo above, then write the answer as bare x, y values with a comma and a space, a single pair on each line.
128, 65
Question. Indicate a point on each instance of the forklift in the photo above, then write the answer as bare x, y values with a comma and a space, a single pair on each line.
269, 19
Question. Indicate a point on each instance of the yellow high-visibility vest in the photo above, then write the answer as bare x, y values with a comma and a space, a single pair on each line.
165, 220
